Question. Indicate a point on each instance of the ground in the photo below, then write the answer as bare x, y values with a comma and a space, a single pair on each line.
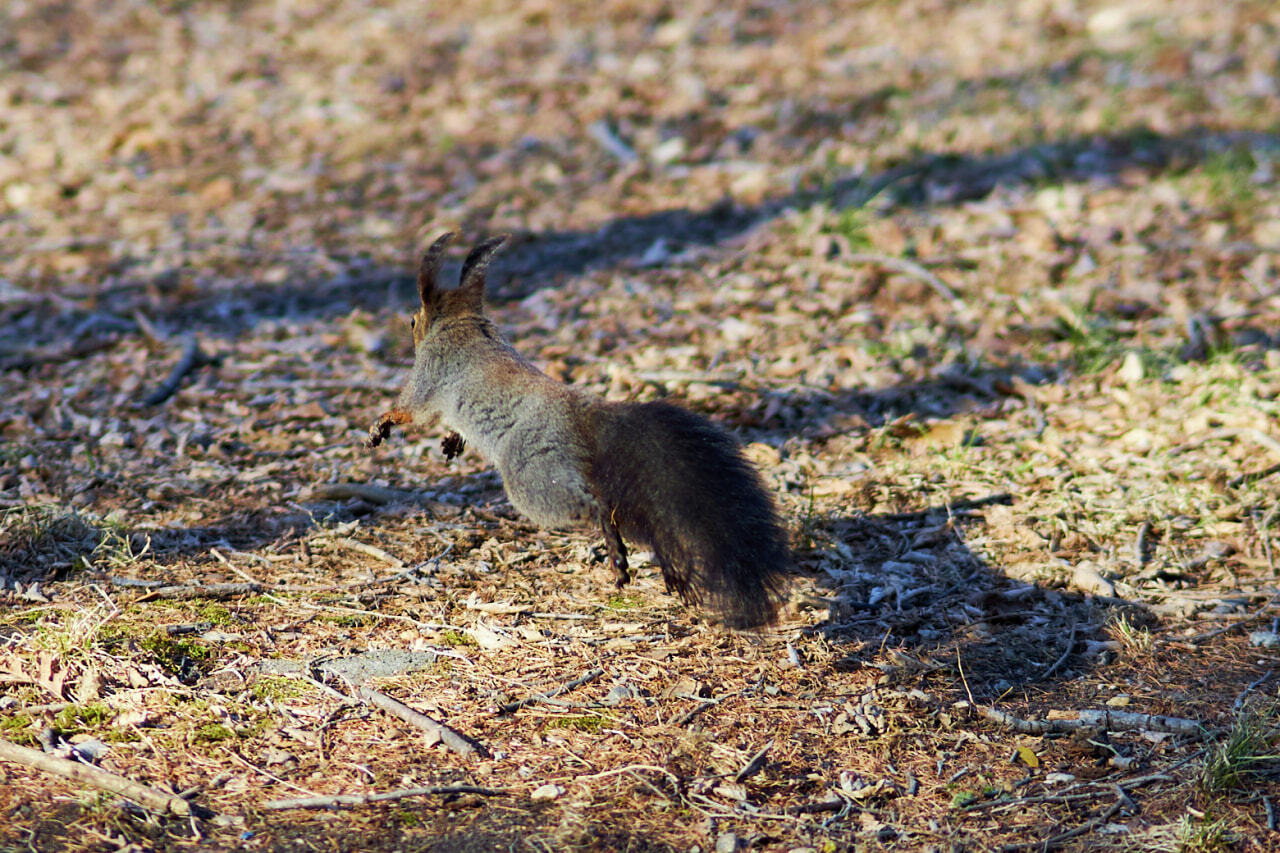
988, 290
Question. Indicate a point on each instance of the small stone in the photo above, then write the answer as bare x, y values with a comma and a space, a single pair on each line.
1264, 639
546, 792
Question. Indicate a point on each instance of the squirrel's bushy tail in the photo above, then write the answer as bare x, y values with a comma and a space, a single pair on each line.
678, 484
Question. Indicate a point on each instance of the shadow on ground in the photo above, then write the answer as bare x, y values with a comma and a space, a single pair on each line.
909, 583
536, 260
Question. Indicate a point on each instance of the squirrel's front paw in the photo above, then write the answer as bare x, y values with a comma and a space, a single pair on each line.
452, 445
382, 427
377, 433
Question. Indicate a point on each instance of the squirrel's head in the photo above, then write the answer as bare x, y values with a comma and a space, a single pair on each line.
467, 298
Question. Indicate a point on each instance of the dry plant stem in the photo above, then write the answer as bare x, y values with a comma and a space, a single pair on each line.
192, 358
340, 800
910, 268
454, 740
510, 707
1088, 719
148, 798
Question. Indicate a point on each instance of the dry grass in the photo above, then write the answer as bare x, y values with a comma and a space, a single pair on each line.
1056, 491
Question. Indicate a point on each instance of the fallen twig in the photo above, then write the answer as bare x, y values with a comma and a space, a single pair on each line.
379, 495
363, 547
148, 798
340, 800
1242, 621
1235, 706
591, 675
1088, 719
1252, 477
213, 590
949, 508
454, 740
1071, 644
910, 268
192, 358
755, 765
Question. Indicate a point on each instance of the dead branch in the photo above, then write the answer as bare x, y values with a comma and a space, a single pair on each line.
148, 798
511, 707
1090, 719
341, 800
192, 358
454, 740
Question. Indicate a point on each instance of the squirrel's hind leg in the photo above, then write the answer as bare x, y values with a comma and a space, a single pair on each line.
676, 582
617, 551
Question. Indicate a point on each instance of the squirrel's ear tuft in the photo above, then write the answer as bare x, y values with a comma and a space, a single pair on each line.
474, 267
429, 268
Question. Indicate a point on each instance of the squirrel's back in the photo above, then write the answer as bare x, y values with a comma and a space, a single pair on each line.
677, 483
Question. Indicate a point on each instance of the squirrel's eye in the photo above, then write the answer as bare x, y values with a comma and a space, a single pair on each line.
413, 322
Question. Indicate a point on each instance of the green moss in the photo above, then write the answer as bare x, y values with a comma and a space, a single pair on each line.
175, 654
451, 637
79, 718
19, 729
121, 736
213, 733
347, 620
590, 723
278, 687
624, 602
215, 613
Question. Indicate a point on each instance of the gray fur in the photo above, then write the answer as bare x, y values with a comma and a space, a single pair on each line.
654, 473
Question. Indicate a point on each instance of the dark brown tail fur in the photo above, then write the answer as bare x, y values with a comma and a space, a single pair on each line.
679, 485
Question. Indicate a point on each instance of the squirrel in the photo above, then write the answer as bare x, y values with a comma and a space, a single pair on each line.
653, 473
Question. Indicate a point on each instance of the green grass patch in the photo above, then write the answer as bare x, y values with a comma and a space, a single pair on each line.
1229, 175
1249, 751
